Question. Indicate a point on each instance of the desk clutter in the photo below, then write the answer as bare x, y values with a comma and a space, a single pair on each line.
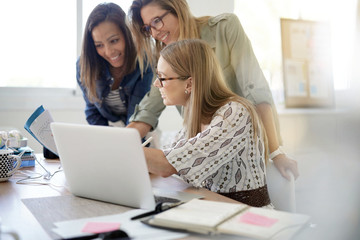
80, 217
68, 216
15, 141
27, 158
12, 139
134, 229
14, 153
203, 218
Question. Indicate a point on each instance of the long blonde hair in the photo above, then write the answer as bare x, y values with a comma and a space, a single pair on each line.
148, 49
209, 92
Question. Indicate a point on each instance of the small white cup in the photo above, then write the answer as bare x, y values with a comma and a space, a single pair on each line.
8, 164
6, 231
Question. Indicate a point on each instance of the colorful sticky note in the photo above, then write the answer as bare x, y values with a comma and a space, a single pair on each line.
256, 219
100, 227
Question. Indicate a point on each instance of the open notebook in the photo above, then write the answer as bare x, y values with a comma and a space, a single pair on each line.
209, 217
107, 164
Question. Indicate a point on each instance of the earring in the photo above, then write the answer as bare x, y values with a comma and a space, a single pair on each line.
186, 92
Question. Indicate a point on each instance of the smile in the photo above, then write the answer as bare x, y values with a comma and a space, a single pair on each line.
114, 58
164, 37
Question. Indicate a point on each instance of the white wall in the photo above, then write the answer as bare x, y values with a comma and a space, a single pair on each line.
210, 7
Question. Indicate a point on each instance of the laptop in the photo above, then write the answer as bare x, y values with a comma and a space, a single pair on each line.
107, 164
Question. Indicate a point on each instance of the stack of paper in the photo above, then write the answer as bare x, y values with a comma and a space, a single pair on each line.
28, 157
135, 229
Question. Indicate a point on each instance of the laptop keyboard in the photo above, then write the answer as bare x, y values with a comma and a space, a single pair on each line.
161, 199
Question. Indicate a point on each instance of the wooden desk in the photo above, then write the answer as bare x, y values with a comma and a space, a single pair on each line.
17, 216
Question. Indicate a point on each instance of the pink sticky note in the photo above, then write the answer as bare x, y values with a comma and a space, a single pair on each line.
256, 219
99, 227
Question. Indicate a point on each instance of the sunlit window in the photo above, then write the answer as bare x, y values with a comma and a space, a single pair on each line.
261, 21
38, 42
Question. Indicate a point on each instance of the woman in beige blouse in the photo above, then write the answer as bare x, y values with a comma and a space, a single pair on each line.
157, 23
222, 145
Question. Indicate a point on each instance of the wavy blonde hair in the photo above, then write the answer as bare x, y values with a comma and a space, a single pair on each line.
148, 49
209, 92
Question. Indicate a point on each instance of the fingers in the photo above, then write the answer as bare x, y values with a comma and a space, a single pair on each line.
290, 172
294, 169
285, 174
284, 164
296, 173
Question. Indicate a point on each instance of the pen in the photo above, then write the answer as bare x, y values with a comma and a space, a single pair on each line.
160, 207
147, 141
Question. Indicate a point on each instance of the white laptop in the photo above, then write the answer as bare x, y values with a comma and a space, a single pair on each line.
106, 164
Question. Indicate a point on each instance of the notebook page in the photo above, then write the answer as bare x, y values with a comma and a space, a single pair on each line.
263, 223
198, 214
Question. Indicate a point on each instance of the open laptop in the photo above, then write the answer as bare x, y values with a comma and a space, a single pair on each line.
106, 164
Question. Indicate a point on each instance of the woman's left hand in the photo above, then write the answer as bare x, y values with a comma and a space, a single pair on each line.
283, 163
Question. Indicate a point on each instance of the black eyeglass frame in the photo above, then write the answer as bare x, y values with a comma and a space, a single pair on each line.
146, 29
169, 78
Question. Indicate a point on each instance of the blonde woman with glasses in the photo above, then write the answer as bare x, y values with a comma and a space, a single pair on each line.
157, 23
222, 146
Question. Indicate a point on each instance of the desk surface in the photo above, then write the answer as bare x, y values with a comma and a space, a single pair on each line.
16, 215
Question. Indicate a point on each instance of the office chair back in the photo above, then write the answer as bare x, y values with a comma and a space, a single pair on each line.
281, 191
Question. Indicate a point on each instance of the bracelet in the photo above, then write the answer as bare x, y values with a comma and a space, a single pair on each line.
276, 153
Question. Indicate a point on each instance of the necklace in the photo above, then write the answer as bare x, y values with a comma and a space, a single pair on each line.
118, 75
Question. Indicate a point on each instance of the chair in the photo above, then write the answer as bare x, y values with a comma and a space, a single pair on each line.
281, 191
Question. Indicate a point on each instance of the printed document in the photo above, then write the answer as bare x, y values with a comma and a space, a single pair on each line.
38, 125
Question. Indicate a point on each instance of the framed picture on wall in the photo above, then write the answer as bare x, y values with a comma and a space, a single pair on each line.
307, 63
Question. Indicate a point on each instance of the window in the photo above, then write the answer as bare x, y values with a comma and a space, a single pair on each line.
261, 21
39, 42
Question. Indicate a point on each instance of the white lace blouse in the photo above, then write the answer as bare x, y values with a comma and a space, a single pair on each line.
224, 157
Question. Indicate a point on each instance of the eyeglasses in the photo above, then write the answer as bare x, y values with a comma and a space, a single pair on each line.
156, 24
171, 78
